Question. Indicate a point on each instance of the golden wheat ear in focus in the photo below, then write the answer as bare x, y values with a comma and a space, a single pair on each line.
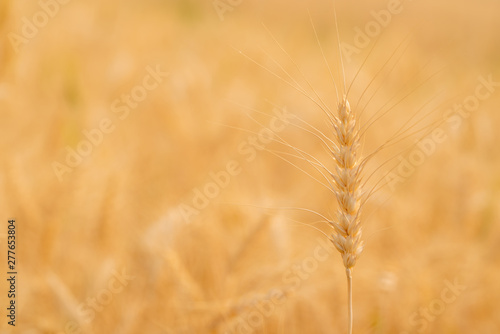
347, 189
347, 179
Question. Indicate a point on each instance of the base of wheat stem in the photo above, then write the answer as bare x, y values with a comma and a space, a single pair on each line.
349, 300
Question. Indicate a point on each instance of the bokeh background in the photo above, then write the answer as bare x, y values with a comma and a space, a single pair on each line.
247, 260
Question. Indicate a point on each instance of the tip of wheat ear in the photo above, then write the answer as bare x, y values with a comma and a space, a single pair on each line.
346, 185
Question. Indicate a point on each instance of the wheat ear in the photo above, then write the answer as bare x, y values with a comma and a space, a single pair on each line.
347, 181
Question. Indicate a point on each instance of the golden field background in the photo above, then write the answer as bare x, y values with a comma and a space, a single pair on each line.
247, 262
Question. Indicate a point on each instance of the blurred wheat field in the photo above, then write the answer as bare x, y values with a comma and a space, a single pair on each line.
105, 248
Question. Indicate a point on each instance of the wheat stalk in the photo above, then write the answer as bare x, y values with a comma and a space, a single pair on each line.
347, 181
346, 177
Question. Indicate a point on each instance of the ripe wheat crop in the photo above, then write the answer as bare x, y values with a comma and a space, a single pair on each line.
345, 174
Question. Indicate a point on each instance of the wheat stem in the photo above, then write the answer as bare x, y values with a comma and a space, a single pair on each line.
349, 300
